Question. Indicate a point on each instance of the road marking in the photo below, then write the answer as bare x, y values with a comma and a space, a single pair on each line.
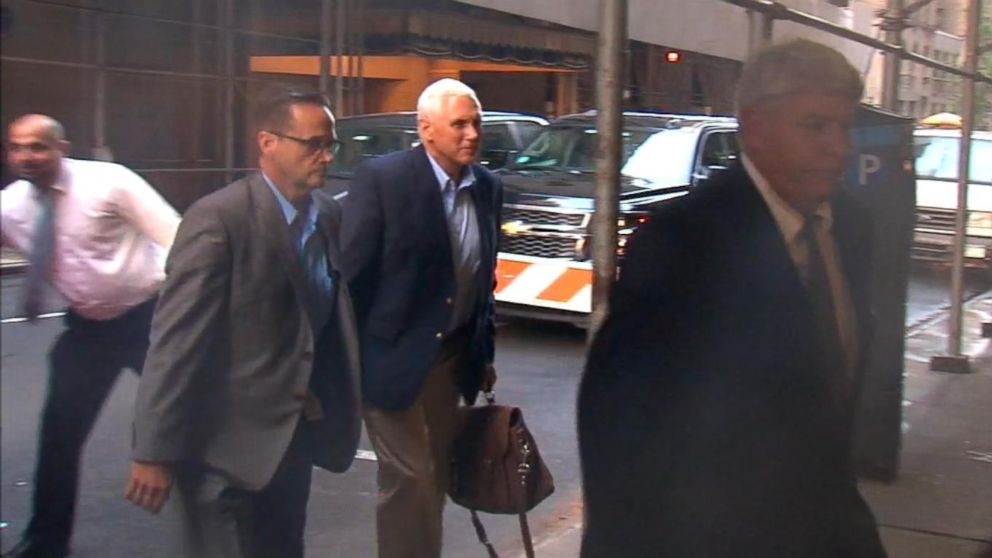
40, 317
366, 455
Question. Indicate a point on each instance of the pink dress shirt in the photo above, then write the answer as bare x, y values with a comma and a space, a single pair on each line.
112, 234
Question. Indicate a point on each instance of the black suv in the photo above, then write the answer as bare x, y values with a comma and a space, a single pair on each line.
370, 135
549, 188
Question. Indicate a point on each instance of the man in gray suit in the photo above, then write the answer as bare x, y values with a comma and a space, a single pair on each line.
251, 377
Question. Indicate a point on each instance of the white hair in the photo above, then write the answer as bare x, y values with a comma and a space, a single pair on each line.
797, 66
431, 99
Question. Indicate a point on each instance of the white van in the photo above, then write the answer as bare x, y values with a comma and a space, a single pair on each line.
937, 197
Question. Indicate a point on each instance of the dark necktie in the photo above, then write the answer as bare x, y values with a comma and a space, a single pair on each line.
821, 298
40, 258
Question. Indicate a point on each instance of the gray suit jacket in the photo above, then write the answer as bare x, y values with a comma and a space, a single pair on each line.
233, 351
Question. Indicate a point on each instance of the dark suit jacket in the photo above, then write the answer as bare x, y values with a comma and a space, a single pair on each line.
233, 349
396, 256
705, 427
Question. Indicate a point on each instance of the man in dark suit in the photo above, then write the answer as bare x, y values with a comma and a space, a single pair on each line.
419, 252
252, 374
716, 407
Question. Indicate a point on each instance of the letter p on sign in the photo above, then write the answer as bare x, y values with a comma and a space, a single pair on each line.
867, 164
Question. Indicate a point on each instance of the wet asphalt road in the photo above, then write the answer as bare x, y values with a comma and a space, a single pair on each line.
539, 366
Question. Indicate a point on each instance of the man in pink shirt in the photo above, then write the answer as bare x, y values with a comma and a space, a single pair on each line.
99, 234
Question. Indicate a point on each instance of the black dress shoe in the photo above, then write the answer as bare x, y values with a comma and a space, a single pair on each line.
31, 548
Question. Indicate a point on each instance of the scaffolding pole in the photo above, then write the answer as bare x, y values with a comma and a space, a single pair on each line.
611, 45
100, 150
339, 32
955, 360
893, 23
228, 18
325, 47
760, 28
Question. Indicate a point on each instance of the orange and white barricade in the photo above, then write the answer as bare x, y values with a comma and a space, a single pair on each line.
564, 285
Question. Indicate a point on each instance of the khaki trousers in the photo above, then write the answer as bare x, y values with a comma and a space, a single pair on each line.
412, 446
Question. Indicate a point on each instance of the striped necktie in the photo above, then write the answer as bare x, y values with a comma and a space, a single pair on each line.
824, 310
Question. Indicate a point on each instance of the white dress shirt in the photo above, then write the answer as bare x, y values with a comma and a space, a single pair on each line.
112, 234
790, 223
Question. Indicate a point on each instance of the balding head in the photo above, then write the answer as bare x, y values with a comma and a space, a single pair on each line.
44, 125
35, 146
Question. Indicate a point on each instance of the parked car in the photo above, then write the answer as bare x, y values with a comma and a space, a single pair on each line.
370, 135
544, 268
937, 156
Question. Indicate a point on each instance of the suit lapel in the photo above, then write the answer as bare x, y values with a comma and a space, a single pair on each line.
427, 188
484, 215
774, 266
328, 220
275, 230
482, 199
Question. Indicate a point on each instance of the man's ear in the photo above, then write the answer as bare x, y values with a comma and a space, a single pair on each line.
65, 147
424, 129
265, 141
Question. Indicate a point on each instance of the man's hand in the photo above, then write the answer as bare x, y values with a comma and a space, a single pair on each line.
149, 485
489, 378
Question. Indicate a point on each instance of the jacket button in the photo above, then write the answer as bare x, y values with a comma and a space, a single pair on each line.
438, 335
448, 300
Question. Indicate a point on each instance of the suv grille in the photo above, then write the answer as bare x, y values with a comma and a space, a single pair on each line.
538, 217
938, 219
539, 246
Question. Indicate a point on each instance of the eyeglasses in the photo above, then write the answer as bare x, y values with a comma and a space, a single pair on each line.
313, 145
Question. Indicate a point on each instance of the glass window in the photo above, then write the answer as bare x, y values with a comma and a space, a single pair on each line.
496, 145
359, 143
661, 157
528, 131
937, 157
719, 151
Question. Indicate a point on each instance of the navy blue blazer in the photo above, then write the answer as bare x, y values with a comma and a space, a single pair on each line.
396, 256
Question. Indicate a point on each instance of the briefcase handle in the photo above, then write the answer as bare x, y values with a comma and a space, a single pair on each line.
480, 530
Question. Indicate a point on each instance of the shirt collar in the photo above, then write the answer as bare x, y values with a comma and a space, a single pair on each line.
61, 184
289, 211
468, 177
789, 221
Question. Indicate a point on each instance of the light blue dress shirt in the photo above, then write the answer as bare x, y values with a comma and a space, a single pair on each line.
312, 253
463, 231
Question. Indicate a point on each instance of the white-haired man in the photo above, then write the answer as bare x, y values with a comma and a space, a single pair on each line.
419, 234
716, 407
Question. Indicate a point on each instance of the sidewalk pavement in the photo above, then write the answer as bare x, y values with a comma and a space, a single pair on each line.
940, 506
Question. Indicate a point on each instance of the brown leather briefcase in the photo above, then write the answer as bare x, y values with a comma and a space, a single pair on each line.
496, 467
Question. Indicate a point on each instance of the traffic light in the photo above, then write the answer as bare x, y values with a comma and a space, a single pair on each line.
673, 56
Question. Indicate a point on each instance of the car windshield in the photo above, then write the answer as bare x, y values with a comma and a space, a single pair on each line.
573, 149
937, 157
359, 144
